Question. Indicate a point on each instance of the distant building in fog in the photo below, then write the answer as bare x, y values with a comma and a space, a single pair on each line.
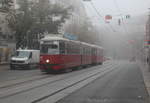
77, 17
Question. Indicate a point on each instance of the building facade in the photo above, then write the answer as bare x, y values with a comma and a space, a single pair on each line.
146, 49
77, 17
7, 39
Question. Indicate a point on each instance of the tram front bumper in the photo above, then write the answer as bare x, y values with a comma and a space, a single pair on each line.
50, 67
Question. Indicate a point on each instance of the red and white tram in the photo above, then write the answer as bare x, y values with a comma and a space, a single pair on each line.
58, 54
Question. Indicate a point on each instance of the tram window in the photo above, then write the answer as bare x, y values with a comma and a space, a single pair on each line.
87, 51
68, 48
44, 49
84, 51
53, 46
98, 52
73, 48
49, 49
93, 51
78, 49
62, 47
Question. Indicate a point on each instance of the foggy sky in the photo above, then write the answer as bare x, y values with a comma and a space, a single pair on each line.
116, 43
131, 7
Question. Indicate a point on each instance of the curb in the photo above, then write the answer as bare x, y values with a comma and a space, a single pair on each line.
146, 77
4, 63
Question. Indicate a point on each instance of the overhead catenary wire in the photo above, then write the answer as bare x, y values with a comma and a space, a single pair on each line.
97, 18
120, 12
118, 8
110, 26
99, 14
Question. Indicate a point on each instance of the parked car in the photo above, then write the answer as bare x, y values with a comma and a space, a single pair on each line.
25, 59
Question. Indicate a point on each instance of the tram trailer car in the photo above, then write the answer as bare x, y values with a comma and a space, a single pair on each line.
59, 54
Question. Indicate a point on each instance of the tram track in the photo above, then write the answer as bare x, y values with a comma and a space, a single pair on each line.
16, 82
24, 81
95, 75
27, 86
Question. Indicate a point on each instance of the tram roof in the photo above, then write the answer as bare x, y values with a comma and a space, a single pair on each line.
87, 44
51, 38
47, 38
29, 50
91, 45
96, 46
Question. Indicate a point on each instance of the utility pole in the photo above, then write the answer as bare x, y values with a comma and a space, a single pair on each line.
148, 41
148, 54
149, 25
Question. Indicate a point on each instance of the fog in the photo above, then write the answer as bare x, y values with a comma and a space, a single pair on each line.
122, 41
132, 7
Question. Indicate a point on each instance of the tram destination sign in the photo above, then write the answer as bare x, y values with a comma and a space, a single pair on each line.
70, 36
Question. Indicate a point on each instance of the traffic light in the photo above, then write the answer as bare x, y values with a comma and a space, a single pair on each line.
127, 16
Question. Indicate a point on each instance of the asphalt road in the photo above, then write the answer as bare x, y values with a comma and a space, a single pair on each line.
42, 89
123, 85
7, 75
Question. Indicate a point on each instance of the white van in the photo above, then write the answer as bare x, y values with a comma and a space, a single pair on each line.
25, 59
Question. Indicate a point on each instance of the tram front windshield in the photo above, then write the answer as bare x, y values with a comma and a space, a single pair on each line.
49, 49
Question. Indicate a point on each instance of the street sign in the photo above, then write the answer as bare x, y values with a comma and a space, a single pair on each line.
128, 16
70, 36
108, 17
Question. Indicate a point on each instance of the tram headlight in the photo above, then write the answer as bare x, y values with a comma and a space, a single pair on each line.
47, 61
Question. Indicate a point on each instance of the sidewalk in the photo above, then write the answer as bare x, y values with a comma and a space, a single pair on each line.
146, 76
4, 63
4, 66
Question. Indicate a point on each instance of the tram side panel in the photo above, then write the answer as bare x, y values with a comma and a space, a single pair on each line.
99, 56
94, 56
86, 55
73, 56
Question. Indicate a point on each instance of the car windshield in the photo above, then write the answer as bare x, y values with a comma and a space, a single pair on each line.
22, 54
